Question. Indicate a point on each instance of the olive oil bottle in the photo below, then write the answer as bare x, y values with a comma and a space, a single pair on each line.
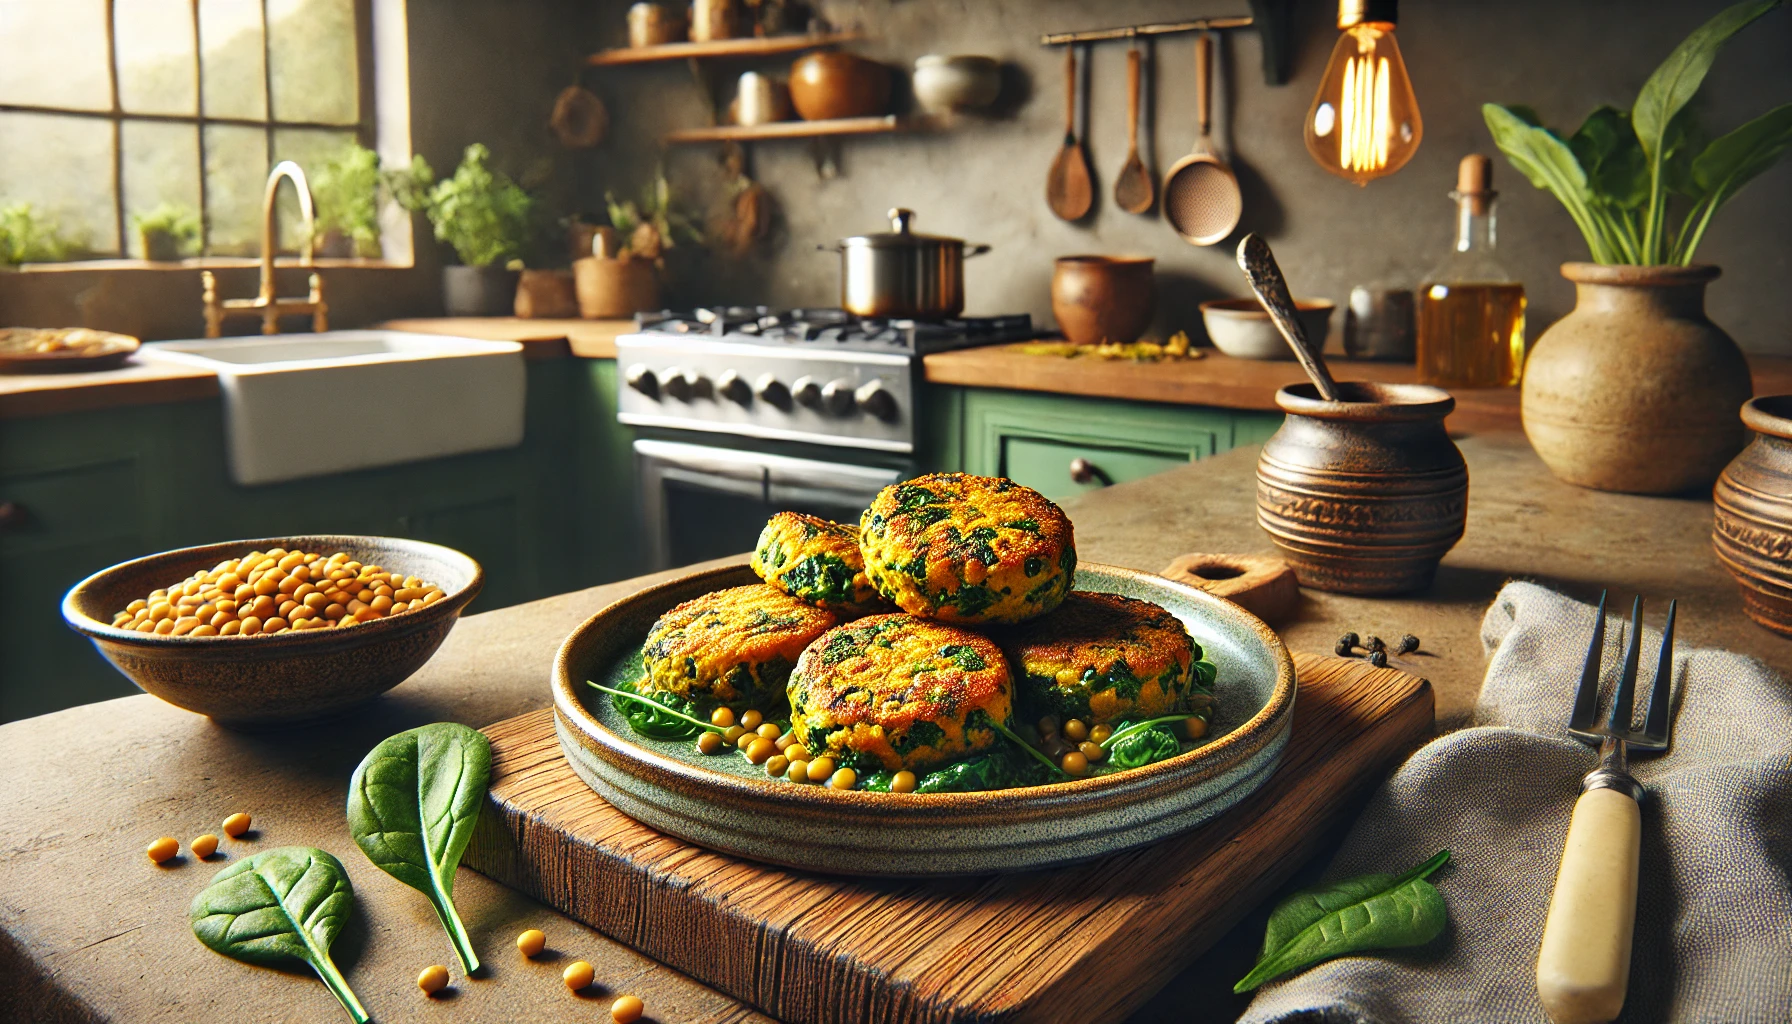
1470, 312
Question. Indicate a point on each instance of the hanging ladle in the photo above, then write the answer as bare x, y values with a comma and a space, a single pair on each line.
1260, 269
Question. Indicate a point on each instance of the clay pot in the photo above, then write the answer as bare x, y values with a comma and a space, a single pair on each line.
1752, 531
1635, 390
651, 24
478, 291
830, 84
545, 294
615, 289
1103, 298
1364, 495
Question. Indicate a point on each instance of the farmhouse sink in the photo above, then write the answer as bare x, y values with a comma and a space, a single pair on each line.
301, 405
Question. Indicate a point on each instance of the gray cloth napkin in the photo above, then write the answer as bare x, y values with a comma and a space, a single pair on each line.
1713, 936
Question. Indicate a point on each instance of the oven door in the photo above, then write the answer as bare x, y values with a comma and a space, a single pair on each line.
700, 502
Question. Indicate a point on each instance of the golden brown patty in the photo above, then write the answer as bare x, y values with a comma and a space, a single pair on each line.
969, 549
733, 646
901, 692
1101, 658
817, 560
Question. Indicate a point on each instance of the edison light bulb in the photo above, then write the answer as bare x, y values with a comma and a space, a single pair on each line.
1365, 121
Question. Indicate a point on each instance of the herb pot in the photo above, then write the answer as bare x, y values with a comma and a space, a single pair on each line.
545, 294
478, 291
1364, 495
901, 274
1752, 527
615, 289
160, 246
1635, 390
1103, 298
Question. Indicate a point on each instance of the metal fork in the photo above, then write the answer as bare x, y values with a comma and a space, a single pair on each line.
1583, 965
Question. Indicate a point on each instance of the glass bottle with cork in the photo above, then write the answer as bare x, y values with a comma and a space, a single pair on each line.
1470, 311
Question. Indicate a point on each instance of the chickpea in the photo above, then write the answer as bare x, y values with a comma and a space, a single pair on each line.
380, 604
903, 782
821, 769
798, 771
184, 625
1076, 730
433, 979
136, 606
334, 612
845, 778
164, 627
777, 765
798, 752
204, 629
734, 733
237, 824
751, 719
163, 849
231, 628
723, 717
578, 975
710, 743
266, 585
275, 625
251, 625
1074, 764
760, 750
531, 943
1091, 751
769, 730
784, 742
1101, 733
747, 739
627, 1009
1195, 728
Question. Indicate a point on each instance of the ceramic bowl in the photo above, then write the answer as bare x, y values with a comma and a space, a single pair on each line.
726, 804
261, 681
1242, 328
948, 82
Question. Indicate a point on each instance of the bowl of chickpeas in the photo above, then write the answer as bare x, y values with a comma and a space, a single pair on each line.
257, 633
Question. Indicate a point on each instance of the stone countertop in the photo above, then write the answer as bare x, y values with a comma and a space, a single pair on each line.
91, 930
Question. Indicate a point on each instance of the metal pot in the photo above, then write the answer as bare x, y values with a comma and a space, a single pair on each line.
901, 274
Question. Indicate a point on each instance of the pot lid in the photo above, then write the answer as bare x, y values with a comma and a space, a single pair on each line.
900, 237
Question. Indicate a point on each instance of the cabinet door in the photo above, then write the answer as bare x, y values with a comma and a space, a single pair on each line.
1062, 470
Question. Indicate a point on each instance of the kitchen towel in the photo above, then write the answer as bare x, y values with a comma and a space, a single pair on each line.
1713, 936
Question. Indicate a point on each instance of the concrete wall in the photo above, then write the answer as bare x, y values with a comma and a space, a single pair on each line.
986, 182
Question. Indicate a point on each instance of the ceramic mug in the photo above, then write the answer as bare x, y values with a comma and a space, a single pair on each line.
760, 99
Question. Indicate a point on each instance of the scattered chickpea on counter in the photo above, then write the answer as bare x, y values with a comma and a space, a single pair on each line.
627, 1009
236, 825
204, 846
578, 975
433, 979
531, 943
163, 850
276, 591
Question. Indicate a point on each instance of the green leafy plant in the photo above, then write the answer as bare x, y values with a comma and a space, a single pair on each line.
657, 716
27, 237
1616, 173
278, 907
652, 225
169, 231
1351, 916
998, 769
483, 214
412, 805
347, 190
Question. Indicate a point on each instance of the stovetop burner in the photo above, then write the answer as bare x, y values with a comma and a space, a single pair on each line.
837, 327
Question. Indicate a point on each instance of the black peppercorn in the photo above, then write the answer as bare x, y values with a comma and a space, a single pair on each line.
1378, 658
1408, 644
1349, 640
1344, 650
1374, 643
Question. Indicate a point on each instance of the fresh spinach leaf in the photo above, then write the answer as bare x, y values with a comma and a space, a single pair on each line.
1351, 916
412, 805
1146, 746
998, 769
657, 716
280, 906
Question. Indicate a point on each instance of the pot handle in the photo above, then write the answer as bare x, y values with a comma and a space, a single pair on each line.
975, 250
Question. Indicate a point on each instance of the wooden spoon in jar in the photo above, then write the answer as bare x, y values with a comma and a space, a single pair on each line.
1067, 188
1134, 190
1260, 269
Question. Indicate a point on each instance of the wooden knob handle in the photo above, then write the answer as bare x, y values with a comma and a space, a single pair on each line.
1584, 963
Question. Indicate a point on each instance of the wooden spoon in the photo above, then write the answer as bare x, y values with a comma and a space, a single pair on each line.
1133, 189
1067, 187
1260, 269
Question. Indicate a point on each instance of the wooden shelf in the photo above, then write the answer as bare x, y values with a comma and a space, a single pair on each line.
804, 129
747, 46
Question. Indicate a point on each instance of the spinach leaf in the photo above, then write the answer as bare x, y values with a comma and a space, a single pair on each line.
412, 805
1144, 747
655, 715
1356, 914
279, 906
997, 769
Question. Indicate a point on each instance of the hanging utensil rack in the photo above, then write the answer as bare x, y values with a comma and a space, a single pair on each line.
1268, 17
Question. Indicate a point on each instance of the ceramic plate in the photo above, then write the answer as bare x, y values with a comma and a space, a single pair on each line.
726, 804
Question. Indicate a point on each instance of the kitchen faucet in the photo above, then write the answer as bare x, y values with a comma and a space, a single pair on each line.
265, 303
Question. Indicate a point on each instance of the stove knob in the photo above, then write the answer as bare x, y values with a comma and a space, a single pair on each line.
836, 397
642, 379
876, 399
772, 391
732, 386
807, 391
680, 383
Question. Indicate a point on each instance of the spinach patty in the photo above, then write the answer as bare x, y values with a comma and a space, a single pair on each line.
1103, 658
733, 647
818, 561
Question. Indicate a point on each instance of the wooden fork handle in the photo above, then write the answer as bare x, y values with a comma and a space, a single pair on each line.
1584, 964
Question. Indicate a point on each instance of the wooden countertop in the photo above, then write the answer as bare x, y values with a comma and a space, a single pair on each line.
94, 932
590, 339
137, 382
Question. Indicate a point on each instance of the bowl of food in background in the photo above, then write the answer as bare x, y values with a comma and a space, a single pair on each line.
1242, 328
255, 633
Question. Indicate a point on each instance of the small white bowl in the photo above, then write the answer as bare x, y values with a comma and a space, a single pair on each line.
1242, 327
948, 82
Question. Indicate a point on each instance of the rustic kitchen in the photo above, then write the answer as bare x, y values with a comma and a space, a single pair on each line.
896, 510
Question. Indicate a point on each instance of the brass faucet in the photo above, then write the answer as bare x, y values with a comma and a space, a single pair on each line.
264, 304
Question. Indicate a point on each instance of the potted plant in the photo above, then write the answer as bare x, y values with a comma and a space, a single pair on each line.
346, 189
28, 237
621, 278
167, 232
1635, 390
484, 216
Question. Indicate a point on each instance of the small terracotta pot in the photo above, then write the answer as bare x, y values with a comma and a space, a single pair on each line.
1635, 390
1103, 298
545, 294
831, 84
615, 289
1752, 530
1364, 495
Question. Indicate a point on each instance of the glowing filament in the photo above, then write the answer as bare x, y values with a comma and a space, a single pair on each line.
1365, 117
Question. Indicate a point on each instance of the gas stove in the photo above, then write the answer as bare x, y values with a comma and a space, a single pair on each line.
819, 376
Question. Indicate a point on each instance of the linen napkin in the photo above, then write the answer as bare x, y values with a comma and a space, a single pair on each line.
1713, 938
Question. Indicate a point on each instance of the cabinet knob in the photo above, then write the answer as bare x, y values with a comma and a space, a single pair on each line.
732, 386
680, 383
876, 400
1083, 471
12, 515
807, 391
837, 397
642, 379
771, 391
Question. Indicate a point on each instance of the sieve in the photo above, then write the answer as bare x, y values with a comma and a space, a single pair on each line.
1201, 198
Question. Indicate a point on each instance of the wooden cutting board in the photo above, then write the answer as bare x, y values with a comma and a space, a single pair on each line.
1078, 944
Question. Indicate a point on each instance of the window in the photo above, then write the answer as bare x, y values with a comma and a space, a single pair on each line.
111, 109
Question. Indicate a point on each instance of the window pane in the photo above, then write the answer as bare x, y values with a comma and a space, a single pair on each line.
75, 199
308, 148
235, 71
161, 165
236, 169
311, 60
54, 54
155, 56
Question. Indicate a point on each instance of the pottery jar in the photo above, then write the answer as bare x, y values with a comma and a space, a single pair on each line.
615, 289
1752, 528
1363, 495
652, 24
714, 19
1635, 390
829, 85
1103, 298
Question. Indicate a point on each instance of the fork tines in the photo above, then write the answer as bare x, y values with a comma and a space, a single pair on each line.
1658, 721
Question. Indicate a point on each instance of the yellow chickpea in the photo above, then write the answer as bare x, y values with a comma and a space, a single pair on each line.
531, 943
710, 743
777, 765
163, 849
769, 730
237, 824
797, 752
1074, 764
734, 733
1091, 751
1076, 730
821, 769
751, 719
903, 782
723, 717
627, 1009
204, 846
578, 975
433, 979
1101, 733
760, 750
845, 778
1195, 728
746, 739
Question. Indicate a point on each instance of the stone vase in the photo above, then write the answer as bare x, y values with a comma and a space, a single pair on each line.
1752, 525
1635, 390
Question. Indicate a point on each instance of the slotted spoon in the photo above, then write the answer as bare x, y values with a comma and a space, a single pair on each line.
1201, 197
